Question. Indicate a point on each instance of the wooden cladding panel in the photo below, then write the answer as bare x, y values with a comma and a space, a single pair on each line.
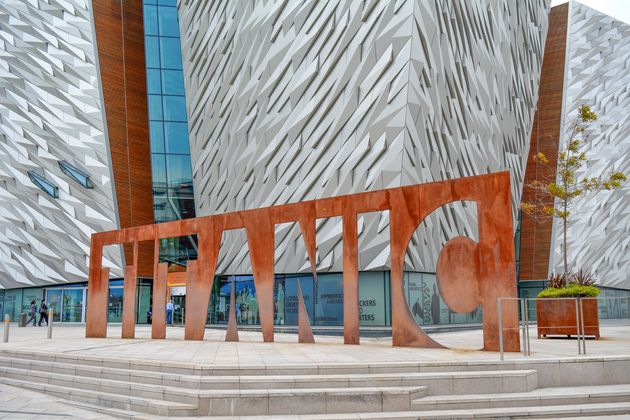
536, 234
120, 43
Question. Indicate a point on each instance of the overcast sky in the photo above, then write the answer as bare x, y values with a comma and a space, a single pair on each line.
618, 9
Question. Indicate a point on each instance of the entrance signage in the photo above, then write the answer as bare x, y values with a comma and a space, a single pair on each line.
469, 273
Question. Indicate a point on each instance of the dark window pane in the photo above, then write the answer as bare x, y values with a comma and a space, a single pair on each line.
176, 135
170, 53
174, 108
179, 171
153, 81
168, 21
158, 170
157, 137
152, 51
173, 82
155, 107
150, 20
184, 208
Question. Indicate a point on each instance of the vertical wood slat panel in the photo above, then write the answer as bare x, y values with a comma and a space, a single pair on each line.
546, 130
120, 43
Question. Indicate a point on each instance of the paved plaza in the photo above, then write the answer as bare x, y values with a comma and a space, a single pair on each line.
252, 353
251, 350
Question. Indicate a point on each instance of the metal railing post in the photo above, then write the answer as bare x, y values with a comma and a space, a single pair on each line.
7, 319
577, 325
527, 326
50, 322
523, 326
582, 326
499, 302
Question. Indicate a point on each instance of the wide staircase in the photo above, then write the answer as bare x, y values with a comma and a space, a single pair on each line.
145, 389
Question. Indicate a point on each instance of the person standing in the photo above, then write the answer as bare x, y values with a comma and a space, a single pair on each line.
169, 313
32, 313
43, 312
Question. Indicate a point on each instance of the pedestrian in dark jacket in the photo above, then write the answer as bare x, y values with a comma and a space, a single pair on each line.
43, 312
32, 313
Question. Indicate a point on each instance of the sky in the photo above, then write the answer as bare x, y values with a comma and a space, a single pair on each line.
618, 9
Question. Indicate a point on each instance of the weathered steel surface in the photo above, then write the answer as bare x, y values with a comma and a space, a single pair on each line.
129, 305
158, 304
305, 332
469, 273
231, 334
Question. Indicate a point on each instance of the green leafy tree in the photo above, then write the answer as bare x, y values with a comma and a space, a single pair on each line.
555, 198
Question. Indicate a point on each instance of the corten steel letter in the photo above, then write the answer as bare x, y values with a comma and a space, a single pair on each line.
129, 302
469, 273
98, 292
404, 218
158, 304
350, 277
231, 334
260, 238
305, 332
129, 297
200, 278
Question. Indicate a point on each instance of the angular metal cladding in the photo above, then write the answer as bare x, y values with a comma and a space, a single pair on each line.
489, 266
296, 101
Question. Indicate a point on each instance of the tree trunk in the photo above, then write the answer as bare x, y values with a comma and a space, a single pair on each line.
564, 234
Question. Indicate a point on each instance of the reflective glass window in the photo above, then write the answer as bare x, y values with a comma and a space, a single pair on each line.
45, 185
155, 107
167, 2
179, 170
76, 174
173, 82
167, 17
174, 108
114, 304
150, 2
176, 135
153, 81
152, 51
170, 53
150, 20
158, 170
156, 134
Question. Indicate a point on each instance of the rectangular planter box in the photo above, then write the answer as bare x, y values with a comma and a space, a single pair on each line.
557, 317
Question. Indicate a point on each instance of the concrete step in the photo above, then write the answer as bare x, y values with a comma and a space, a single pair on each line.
556, 411
103, 399
275, 402
538, 397
438, 383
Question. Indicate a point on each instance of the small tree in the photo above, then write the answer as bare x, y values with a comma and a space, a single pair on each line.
556, 197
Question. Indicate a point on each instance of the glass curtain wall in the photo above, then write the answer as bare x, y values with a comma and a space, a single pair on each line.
173, 197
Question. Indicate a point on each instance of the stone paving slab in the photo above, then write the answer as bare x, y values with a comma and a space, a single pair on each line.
285, 351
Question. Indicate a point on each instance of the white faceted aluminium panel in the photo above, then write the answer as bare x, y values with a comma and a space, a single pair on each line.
51, 110
598, 75
296, 100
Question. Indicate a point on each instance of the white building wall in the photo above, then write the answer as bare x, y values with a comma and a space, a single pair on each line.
296, 100
598, 75
51, 110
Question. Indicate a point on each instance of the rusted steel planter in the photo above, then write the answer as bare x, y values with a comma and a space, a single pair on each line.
557, 317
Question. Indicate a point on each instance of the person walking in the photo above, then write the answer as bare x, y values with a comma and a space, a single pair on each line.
43, 313
32, 313
169, 313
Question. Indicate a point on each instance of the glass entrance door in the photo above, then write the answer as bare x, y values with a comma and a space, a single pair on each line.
53, 299
179, 302
72, 310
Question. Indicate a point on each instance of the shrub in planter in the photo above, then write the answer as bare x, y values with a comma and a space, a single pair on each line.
558, 316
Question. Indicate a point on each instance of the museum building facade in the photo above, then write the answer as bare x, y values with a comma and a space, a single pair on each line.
119, 114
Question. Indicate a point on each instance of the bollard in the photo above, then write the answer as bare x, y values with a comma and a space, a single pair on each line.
7, 319
50, 321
